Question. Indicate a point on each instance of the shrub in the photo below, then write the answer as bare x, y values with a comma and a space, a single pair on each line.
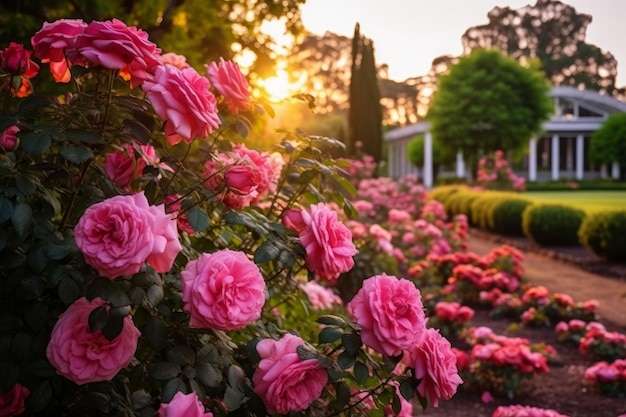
552, 224
461, 201
507, 216
481, 210
604, 233
444, 192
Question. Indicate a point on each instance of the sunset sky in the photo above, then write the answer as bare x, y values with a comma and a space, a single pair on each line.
409, 34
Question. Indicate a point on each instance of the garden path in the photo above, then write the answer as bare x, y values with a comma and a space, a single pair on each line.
566, 277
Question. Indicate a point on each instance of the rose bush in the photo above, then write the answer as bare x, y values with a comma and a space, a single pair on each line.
152, 264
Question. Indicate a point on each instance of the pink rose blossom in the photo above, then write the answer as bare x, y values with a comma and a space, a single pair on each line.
117, 235
8, 139
327, 241
83, 356
242, 179
182, 99
16, 63
122, 167
320, 297
173, 204
114, 45
52, 43
179, 61
486, 397
390, 313
183, 405
12, 402
285, 382
524, 410
435, 367
223, 290
229, 81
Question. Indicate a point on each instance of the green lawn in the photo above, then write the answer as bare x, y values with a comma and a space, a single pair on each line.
589, 201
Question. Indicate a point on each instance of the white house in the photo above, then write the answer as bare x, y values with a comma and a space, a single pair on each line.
560, 152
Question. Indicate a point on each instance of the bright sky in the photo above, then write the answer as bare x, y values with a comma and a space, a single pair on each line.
409, 34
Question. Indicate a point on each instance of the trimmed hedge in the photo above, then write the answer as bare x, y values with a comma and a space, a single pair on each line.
482, 208
460, 202
552, 224
604, 233
507, 216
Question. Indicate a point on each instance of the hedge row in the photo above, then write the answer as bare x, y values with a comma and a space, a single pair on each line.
511, 214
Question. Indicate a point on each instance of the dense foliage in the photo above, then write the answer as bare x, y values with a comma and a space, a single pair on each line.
608, 144
604, 233
552, 224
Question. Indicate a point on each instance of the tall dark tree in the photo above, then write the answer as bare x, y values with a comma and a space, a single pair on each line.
488, 102
365, 114
554, 33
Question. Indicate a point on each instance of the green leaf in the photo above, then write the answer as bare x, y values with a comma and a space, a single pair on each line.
343, 393
164, 370
113, 328
25, 185
233, 398
182, 355
208, 375
331, 320
137, 130
268, 251
156, 333
22, 218
351, 343
69, 290
39, 397
56, 252
6, 209
330, 334
170, 389
98, 318
9, 372
346, 360
396, 405
76, 154
140, 399
407, 389
35, 142
155, 294
30, 288
236, 377
361, 373
197, 218
83, 136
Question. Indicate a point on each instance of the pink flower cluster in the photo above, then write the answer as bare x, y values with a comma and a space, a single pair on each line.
125, 165
385, 193
327, 241
321, 298
179, 95
183, 405
451, 317
494, 173
392, 320
524, 411
12, 402
572, 331
609, 377
243, 177
603, 344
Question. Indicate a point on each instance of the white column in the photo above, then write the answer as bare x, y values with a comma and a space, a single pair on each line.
569, 155
615, 171
603, 171
428, 160
460, 165
555, 157
390, 160
580, 156
532, 160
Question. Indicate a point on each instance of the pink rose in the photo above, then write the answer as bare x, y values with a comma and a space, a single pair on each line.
320, 297
83, 356
117, 235
242, 179
435, 368
284, 381
122, 167
223, 290
183, 405
390, 313
16, 62
52, 43
8, 139
182, 99
173, 204
12, 402
179, 61
229, 81
268, 165
114, 45
328, 242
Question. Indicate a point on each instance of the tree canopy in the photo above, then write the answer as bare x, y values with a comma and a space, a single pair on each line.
608, 144
554, 33
488, 102
201, 30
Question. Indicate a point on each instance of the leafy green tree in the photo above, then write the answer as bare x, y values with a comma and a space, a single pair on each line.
201, 30
488, 102
608, 144
365, 115
554, 33
441, 156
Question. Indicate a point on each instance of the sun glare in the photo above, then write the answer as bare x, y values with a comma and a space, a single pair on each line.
277, 87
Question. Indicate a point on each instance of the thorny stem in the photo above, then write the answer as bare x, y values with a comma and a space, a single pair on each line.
370, 393
178, 168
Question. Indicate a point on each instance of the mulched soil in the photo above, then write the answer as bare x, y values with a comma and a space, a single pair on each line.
563, 388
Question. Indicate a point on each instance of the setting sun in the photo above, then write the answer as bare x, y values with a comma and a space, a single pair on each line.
277, 87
